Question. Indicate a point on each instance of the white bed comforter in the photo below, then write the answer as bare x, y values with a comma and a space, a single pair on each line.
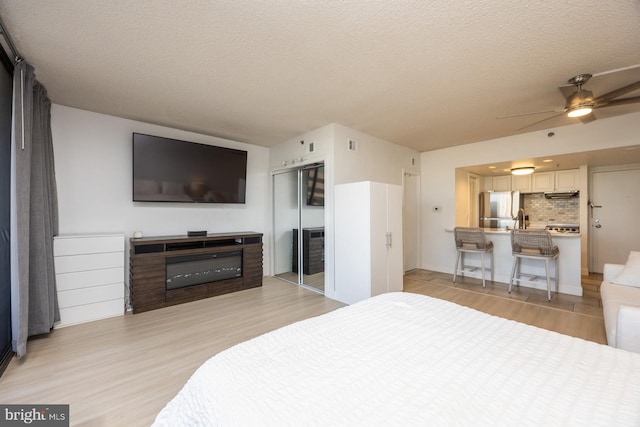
402, 359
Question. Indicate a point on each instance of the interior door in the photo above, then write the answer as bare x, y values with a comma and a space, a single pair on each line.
394, 242
411, 221
473, 191
614, 208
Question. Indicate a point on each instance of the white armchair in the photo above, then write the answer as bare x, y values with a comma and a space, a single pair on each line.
621, 307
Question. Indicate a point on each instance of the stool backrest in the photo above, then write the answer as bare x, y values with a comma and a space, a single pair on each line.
531, 241
470, 236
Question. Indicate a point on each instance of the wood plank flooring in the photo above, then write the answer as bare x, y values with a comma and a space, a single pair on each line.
568, 314
122, 371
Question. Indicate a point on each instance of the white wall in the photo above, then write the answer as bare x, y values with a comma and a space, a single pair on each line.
93, 160
439, 168
374, 160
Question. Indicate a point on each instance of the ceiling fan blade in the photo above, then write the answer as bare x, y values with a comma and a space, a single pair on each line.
529, 114
602, 73
621, 101
543, 120
607, 97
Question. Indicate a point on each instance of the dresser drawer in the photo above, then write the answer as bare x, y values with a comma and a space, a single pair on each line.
90, 295
82, 279
71, 263
93, 244
89, 312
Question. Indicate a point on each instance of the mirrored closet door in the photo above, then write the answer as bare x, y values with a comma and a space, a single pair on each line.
298, 201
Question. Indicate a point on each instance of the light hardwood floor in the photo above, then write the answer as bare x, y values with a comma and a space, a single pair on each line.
122, 371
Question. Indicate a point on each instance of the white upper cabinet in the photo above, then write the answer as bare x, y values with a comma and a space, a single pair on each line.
521, 183
497, 183
555, 181
568, 180
543, 181
538, 182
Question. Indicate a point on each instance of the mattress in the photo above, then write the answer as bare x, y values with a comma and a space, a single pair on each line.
401, 359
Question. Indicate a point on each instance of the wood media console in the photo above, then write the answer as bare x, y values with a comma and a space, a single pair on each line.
171, 270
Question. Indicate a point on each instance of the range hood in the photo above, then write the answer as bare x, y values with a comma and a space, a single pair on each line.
561, 194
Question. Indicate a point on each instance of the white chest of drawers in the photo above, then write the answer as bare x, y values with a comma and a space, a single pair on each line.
89, 277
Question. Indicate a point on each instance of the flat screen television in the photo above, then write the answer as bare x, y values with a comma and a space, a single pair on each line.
170, 170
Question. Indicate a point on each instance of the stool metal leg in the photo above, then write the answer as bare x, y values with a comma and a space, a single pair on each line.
513, 272
546, 267
455, 269
556, 277
492, 264
482, 262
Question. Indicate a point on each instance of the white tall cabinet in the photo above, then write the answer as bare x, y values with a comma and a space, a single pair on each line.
89, 277
368, 240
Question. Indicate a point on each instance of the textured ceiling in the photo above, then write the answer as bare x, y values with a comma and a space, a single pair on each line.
424, 74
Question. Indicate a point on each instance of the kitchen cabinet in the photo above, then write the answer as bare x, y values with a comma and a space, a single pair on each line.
89, 277
368, 240
521, 183
563, 180
543, 181
568, 180
497, 183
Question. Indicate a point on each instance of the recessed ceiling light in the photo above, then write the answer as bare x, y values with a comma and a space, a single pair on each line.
547, 161
492, 167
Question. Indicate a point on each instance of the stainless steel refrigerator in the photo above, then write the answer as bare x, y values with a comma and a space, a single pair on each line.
499, 209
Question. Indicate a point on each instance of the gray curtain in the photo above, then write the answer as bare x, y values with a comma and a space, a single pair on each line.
34, 211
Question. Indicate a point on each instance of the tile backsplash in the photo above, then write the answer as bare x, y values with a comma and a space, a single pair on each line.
541, 210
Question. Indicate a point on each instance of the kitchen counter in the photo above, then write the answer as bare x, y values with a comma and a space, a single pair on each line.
507, 231
569, 279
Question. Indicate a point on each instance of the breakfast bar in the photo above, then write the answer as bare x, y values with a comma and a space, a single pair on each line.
569, 281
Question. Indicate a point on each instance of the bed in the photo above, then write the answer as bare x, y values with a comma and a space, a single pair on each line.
401, 359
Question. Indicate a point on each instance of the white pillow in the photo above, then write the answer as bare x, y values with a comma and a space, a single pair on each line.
630, 275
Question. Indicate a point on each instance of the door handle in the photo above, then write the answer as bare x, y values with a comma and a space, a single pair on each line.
592, 207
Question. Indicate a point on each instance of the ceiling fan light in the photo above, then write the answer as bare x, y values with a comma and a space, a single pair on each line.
522, 171
580, 103
579, 111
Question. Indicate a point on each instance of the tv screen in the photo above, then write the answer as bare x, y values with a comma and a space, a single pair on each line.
169, 170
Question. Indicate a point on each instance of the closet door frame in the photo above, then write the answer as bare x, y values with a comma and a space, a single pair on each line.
278, 245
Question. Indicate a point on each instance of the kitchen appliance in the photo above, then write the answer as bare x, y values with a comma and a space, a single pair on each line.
563, 228
561, 194
499, 209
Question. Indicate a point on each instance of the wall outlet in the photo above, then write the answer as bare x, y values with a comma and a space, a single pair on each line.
352, 145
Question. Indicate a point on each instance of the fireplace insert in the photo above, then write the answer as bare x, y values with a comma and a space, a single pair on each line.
191, 270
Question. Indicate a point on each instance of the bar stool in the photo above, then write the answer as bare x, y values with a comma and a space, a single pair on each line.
471, 240
533, 244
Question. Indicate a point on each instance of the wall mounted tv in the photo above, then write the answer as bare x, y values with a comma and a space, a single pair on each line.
170, 170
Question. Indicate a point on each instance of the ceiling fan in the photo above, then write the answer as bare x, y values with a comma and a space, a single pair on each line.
580, 102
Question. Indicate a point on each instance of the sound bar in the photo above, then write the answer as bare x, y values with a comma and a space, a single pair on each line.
197, 233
